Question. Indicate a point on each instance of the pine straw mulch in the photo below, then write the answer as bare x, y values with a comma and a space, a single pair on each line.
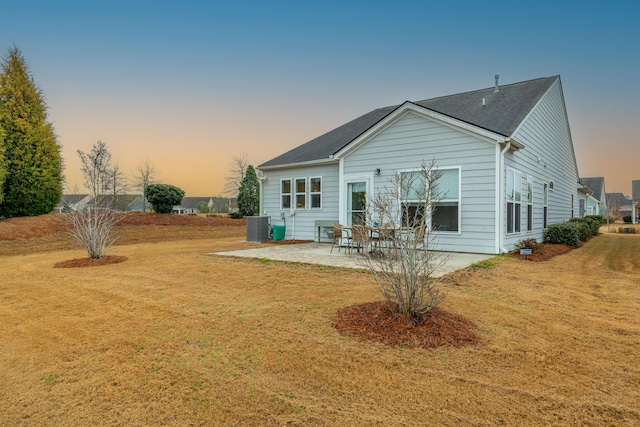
376, 321
89, 262
549, 250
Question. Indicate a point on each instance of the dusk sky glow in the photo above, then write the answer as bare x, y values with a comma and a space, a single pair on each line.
189, 85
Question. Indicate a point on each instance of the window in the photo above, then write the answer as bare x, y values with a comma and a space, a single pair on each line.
545, 198
315, 192
285, 194
413, 189
514, 199
301, 193
529, 203
550, 185
445, 195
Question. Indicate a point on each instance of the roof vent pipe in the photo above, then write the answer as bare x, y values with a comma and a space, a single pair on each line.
496, 88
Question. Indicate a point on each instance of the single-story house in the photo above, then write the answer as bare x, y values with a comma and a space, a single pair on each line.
72, 202
505, 155
597, 200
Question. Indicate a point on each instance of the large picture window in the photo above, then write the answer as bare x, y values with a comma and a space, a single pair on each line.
445, 199
301, 193
315, 192
514, 199
285, 194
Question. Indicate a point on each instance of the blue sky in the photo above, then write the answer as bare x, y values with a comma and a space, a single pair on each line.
190, 84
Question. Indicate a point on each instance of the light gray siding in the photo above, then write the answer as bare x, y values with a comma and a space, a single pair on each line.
548, 156
301, 226
412, 139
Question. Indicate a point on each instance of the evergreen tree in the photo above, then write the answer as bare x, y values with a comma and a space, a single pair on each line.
249, 194
3, 164
33, 182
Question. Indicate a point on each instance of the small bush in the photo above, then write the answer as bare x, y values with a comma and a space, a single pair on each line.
626, 219
532, 244
566, 233
235, 215
599, 218
587, 227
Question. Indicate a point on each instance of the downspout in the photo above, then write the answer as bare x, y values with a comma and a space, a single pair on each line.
501, 198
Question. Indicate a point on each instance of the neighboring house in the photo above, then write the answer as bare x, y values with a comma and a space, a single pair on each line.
79, 202
72, 202
619, 205
189, 205
635, 197
505, 153
597, 200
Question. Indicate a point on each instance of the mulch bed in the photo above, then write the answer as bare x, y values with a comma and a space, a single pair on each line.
376, 321
89, 262
549, 251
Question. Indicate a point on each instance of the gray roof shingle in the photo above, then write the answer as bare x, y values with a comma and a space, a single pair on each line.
502, 113
595, 184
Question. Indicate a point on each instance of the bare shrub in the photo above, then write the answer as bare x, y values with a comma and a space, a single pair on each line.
403, 261
92, 229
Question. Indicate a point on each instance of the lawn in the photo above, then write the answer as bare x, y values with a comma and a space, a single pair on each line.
177, 336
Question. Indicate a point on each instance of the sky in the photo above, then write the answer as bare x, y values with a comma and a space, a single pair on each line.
190, 85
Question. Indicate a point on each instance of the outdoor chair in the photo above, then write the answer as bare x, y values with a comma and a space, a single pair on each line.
340, 236
360, 237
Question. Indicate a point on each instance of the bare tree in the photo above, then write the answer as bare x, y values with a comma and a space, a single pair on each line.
235, 175
92, 227
118, 185
404, 262
146, 175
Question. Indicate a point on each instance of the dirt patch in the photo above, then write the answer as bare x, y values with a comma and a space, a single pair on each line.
90, 262
376, 321
286, 242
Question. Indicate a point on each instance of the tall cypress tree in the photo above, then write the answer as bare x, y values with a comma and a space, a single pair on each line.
33, 182
249, 193
3, 164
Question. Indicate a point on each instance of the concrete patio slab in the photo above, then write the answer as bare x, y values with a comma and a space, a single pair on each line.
319, 253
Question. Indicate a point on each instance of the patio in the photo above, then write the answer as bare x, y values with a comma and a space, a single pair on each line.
319, 253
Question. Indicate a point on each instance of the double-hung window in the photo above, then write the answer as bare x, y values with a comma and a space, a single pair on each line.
514, 199
545, 209
301, 193
315, 192
529, 203
285, 194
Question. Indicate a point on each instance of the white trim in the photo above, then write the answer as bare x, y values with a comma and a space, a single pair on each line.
296, 193
458, 200
311, 193
301, 164
282, 208
349, 179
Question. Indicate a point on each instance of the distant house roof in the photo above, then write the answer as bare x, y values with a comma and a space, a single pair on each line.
618, 200
595, 184
502, 113
192, 202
